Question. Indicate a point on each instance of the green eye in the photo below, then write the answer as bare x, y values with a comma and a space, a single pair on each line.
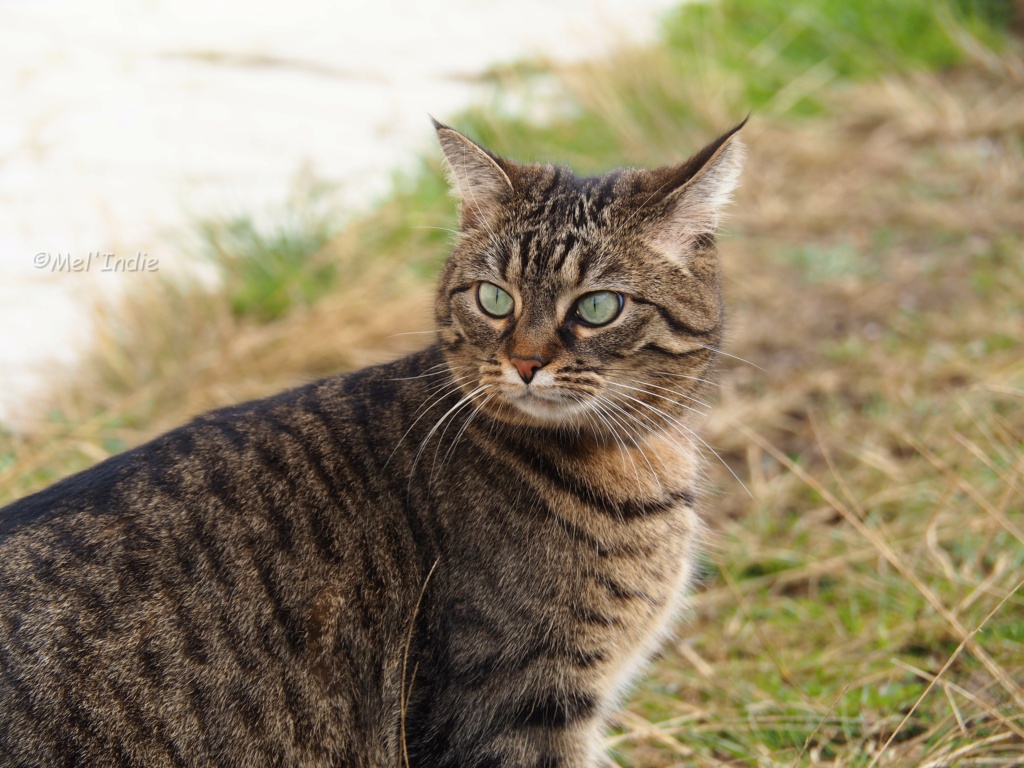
599, 307
494, 301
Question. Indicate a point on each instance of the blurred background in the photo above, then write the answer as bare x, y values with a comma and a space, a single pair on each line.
125, 122
273, 173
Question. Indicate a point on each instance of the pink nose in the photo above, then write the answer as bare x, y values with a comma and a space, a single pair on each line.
527, 366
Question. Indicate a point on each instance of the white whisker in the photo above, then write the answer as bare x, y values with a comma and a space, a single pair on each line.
728, 354
665, 373
642, 423
446, 388
427, 372
623, 453
685, 376
463, 401
636, 439
655, 394
680, 425
680, 394
439, 229
440, 439
462, 430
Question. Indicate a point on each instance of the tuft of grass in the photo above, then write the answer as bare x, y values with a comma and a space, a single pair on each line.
862, 606
270, 267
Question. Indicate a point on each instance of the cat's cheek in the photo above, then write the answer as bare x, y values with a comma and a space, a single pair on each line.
482, 332
613, 344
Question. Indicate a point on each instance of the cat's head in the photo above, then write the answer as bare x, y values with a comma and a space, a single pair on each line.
590, 303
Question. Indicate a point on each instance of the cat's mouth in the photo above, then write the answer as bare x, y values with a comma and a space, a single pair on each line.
545, 400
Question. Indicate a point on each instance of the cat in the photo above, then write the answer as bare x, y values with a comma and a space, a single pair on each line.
458, 559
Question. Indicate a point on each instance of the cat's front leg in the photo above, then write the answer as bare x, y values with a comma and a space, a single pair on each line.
579, 746
530, 732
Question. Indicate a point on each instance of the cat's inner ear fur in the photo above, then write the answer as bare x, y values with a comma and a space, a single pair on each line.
694, 195
477, 178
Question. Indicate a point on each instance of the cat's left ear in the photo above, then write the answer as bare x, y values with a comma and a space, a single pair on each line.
478, 178
692, 196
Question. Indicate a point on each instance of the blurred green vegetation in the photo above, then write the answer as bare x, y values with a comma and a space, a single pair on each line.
270, 267
775, 46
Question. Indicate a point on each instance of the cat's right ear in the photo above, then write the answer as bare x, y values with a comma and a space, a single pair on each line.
478, 178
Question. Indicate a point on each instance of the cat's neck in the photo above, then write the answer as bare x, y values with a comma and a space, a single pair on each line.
614, 467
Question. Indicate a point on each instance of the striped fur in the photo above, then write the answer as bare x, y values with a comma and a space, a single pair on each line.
430, 563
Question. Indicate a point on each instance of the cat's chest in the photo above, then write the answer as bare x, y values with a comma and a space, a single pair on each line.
623, 519
641, 594
590, 558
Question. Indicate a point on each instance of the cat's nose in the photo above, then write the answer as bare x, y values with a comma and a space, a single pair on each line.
527, 366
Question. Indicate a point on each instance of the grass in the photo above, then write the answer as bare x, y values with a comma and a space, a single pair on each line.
861, 604
268, 270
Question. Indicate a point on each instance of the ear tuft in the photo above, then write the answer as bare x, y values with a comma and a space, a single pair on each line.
478, 178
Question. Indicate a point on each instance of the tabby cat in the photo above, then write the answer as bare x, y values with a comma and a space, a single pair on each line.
457, 559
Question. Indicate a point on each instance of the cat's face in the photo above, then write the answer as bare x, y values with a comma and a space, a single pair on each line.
588, 303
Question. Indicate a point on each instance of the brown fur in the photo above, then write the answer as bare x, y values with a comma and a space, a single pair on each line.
427, 563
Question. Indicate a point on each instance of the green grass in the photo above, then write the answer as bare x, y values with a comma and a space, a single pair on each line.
874, 268
782, 51
267, 269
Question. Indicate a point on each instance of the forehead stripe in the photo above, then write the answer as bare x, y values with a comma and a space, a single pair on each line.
567, 245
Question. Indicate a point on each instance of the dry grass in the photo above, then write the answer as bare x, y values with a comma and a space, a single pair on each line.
861, 606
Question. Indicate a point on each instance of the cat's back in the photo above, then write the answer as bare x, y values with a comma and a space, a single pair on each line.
339, 429
200, 586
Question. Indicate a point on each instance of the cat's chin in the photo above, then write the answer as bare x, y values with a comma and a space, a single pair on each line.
547, 410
